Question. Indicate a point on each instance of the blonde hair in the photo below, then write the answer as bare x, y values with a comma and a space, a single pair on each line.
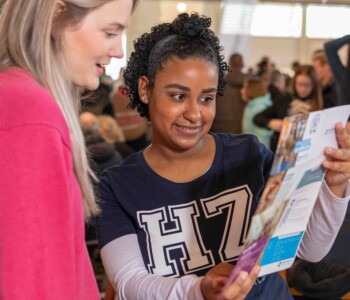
30, 39
110, 130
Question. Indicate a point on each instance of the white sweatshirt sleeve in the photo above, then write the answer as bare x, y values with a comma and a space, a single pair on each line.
324, 224
126, 271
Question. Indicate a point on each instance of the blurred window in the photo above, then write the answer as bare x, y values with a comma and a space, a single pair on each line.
236, 18
277, 20
264, 19
327, 21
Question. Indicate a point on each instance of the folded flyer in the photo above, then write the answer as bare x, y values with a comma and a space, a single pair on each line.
290, 193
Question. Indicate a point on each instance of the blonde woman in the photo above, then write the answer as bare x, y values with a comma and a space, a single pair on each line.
50, 50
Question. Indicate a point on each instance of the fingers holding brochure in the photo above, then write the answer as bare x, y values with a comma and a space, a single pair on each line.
343, 137
214, 281
338, 162
240, 288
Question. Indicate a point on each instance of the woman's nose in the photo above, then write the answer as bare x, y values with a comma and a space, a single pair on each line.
193, 111
117, 49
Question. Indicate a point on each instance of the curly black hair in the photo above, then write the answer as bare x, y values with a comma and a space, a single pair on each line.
188, 36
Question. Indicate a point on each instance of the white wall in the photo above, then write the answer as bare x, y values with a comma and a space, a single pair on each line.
151, 12
282, 51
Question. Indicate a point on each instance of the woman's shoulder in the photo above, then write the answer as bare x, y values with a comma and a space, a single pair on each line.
25, 102
243, 147
131, 162
16, 81
240, 142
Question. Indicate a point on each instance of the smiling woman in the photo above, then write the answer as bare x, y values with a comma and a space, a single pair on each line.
173, 79
91, 44
181, 104
50, 50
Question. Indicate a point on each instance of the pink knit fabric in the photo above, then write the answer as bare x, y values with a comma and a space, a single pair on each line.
42, 248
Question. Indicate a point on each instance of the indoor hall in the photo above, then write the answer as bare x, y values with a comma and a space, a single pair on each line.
266, 44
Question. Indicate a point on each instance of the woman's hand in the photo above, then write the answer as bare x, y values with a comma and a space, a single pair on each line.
214, 281
275, 124
299, 107
338, 162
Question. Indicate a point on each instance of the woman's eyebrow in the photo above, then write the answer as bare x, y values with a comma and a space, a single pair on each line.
116, 25
178, 86
210, 90
187, 89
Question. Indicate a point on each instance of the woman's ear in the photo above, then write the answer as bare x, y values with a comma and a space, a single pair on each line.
59, 8
144, 89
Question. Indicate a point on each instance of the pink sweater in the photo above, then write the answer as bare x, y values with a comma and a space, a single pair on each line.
42, 249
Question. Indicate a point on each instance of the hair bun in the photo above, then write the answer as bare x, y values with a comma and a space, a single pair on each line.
191, 25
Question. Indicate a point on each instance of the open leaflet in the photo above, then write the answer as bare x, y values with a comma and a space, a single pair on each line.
290, 193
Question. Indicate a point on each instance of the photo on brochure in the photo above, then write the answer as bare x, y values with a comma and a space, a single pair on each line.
292, 133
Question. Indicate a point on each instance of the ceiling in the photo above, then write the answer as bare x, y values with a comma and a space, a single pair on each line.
331, 2
335, 2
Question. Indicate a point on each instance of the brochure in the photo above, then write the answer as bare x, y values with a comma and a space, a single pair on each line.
285, 206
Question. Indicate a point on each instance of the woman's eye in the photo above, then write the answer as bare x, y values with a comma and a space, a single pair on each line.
110, 34
207, 99
179, 97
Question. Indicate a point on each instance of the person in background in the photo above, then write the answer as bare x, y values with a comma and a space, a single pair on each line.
175, 215
134, 127
88, 121
102, 154
110, 130
316, 52
328, 278
113, 134
98, 101
118, 84
107, 129
306, 97
289, 82
277, 85
325, 76
250, 72
264, 67
229, 108
295, 66
50, 50
254, 92
340, 71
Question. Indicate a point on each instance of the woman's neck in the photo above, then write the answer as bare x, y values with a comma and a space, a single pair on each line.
182, 166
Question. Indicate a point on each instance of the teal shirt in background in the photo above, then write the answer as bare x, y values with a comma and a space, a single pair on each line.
252, 108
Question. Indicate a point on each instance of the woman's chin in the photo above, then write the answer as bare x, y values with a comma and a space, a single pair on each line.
91, 84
